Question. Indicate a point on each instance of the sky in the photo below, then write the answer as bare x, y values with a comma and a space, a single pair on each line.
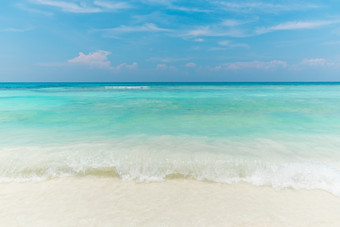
169, 40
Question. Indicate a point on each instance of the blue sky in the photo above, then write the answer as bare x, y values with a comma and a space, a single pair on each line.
168, 40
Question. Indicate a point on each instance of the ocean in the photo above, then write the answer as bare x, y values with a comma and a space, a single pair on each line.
279, 137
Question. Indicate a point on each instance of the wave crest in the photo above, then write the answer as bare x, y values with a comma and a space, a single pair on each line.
145, 165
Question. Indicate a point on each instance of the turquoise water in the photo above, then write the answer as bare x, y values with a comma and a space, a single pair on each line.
281, 135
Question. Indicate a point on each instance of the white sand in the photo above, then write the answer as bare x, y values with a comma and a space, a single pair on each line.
94, 201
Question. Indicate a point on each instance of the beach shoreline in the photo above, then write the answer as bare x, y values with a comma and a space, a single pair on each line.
107, 201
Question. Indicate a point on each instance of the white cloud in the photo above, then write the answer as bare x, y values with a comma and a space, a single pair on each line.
165, 67
15, 29
187, 9
148, 27
69, 6
224, 43
199, 40
201, 31
243, 6
252, 65
190, 65
124, 65
169, 4
73, 7
294, 25
231, 28
120, 66
213, 31
257, 65
134, 65
96, 59
161, 66
226, 28
112, 5
316, 62
228, 44
99, 60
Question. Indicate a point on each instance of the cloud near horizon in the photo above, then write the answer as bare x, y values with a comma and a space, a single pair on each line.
190, 65
317, 62
99, 59
96, 59
260, 65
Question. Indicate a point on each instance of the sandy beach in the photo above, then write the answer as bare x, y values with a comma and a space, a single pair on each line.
169, 113
106, 201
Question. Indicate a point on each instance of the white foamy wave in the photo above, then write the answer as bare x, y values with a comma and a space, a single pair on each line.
126, 87
89, 88
143, 163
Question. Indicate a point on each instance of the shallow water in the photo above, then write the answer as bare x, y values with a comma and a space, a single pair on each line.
278, 135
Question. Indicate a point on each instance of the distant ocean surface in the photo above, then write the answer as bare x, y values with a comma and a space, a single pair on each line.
282, 135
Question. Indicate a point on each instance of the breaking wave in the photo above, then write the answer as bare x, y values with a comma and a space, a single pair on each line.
144, 164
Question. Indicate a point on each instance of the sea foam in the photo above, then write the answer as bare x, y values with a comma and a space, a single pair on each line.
158, 159
125, 87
